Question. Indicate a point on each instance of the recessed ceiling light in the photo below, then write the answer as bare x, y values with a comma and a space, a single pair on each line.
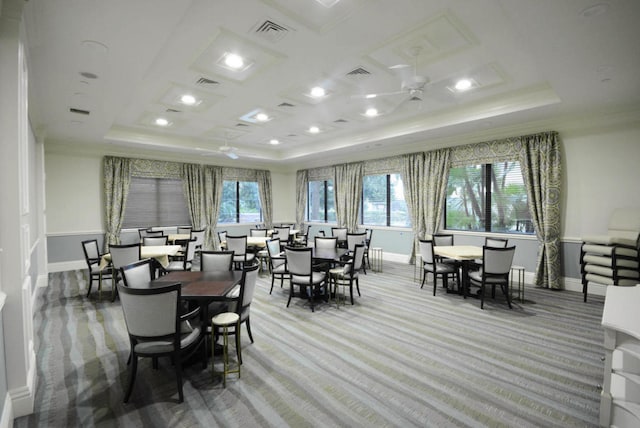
274, 142
314, 129
161, 121
318, 92
233, 60
262, 117
463, 84
88, 75
371, 112
188, 99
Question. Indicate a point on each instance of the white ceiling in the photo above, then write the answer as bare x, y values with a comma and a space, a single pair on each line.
532, 60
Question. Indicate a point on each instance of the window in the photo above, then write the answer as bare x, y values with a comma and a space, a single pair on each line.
488, 198
240, 202
155, 202
321, 201
383, 201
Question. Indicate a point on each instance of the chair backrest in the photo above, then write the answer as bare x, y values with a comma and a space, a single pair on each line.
340, 233
222, 236
258, 232
216, 261
495, 242
442, 240
369, 233
326, 242
122, 255
273, 248
355, 265
283, 232
299, 261
155, 240
199, 235
148, 232
138, 274
247, 288
184, 229
237, 244
321, 233
189, 251
354, 239
426, 251
151, 312
91, 251
497, 261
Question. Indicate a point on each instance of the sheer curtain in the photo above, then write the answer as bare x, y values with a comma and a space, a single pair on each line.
212, 196
348, 193
302, 182
192, 181
266, 200
117, 177
424, 177
542, 173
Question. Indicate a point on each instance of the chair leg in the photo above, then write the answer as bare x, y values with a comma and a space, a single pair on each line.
505, 290
290, 295
178, 366
90, 283
424, 278
238, 347
248, 323
482, 296
434, 284
358, 287
132, 377
273, 278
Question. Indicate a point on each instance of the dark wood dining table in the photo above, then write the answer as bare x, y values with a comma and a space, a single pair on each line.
323, 255
202, 287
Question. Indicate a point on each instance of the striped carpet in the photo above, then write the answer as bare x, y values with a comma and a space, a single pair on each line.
399, 357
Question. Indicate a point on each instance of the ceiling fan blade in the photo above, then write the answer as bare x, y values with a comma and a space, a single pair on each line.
379, 94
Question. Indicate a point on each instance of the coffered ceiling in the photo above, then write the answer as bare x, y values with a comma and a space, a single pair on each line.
103, 72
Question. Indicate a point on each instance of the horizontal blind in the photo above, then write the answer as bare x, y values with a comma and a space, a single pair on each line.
155, 202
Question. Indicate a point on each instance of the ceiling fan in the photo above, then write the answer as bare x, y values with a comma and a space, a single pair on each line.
412, 85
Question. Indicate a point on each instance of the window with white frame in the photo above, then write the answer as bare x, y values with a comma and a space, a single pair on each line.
383, 202
321, 201
488, 198
240, 202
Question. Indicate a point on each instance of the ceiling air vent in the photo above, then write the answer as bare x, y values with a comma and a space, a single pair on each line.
341, 121
358, 73
172, 110
79, 111
241, 124
271, 31
203, 81
285, 104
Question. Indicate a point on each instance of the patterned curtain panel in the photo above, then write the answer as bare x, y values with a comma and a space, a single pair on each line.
302, 182
436, 167
412, 180
212, 196
192, 181
266, 199
424, 177
117, 177
348, 193
542, 174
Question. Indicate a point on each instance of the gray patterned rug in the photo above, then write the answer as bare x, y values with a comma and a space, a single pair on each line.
399, 357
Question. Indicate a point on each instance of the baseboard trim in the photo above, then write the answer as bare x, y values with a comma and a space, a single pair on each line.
7, 413
66, 266
23, 398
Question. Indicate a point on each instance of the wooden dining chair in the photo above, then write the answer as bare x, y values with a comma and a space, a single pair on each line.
496, 266
241, 257
214, 261
433, 266
155, 240
93, 258
311, 283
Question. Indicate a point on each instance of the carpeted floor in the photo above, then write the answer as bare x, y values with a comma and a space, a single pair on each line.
398, 357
